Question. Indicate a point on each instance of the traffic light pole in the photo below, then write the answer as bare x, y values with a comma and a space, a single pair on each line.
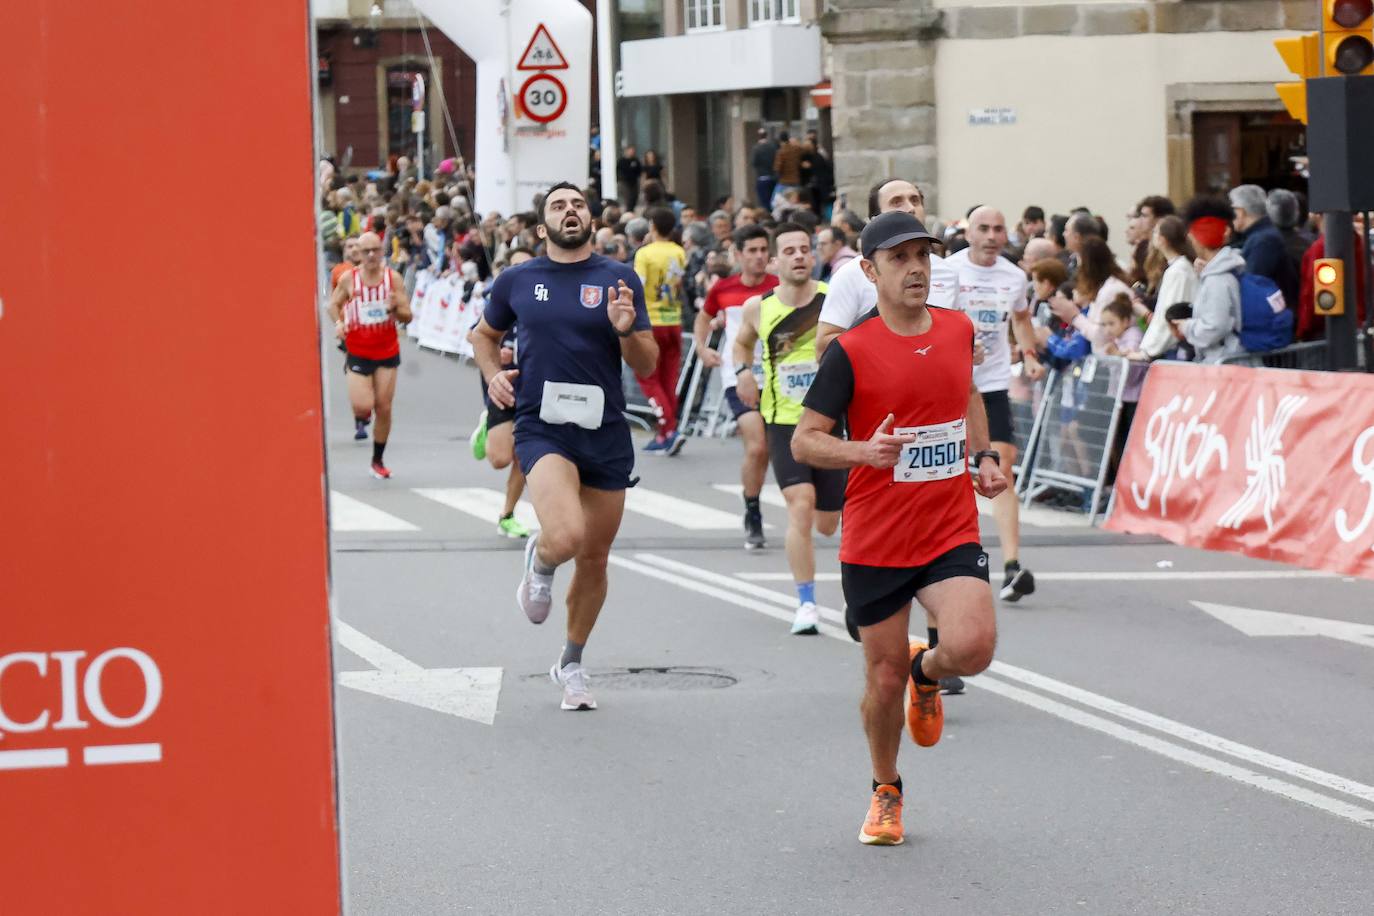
1340, 329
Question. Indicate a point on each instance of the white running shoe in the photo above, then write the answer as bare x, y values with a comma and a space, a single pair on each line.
534, 594
573, 679
807, 621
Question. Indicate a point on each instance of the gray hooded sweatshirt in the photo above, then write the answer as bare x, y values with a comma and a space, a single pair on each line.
1216, 308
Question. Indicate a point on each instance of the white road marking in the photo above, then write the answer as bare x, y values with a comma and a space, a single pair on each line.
757, 591
727, 589
33, 759
1273, 623
1354, 813
470, 693
480, 502
724, 594
770, 495
1221, 575
97, 755
681, 513
349, 514
371, 651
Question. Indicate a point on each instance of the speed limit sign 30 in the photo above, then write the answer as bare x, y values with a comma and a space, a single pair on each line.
543, 97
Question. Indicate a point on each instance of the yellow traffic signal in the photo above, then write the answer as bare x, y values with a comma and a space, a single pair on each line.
1328, 286
1347, 29
1302, 56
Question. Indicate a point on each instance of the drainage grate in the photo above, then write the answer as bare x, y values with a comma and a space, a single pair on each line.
669, 678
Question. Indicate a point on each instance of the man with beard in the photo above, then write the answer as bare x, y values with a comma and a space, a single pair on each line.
785, 320
577, 315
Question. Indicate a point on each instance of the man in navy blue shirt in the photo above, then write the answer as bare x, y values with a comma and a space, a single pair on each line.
577, 315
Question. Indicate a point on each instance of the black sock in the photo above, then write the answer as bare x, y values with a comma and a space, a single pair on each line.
917, 674
751, 504
1012, 566
377, 449
933, 634
896, 784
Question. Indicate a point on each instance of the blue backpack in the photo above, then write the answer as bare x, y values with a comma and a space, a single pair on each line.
1261, 328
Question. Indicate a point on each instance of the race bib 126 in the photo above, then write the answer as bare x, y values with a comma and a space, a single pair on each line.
939, 453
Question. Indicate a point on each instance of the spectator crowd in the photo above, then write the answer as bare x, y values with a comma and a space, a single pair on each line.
1205, 281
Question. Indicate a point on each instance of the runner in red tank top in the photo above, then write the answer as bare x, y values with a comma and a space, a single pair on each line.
904, 379
365, 305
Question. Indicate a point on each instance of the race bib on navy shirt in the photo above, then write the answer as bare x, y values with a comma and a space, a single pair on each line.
563, 333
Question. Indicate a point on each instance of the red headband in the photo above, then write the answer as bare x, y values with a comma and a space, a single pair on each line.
1210, 231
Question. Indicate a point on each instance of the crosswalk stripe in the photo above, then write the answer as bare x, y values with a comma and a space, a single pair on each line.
480, 502
349, 514
681, 513
769, 495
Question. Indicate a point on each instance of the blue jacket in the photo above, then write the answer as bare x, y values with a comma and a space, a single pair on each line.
1266, 254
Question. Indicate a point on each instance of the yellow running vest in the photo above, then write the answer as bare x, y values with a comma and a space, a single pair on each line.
789, 355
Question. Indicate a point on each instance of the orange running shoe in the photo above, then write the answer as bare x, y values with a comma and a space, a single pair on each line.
925, 714
883, 826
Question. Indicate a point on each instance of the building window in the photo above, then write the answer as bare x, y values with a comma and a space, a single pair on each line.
704, 15
771, 12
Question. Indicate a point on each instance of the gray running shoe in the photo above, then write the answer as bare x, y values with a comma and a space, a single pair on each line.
573, 679
534, 594
753, 531
952, 684
1019, 583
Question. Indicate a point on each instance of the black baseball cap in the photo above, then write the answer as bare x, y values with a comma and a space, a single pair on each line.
889, 229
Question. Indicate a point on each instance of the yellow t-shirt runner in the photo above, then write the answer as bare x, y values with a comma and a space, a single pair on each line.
661, 266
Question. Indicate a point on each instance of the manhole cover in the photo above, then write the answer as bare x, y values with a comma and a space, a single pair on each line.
656, 678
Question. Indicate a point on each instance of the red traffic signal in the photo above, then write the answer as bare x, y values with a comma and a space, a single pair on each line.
1347, 30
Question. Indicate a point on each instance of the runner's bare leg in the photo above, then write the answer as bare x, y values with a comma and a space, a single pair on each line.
887, 668
602, 510
963, 609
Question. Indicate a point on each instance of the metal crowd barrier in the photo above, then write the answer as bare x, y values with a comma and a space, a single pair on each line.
1027, 399
1075, 431
1305, 355
638, 410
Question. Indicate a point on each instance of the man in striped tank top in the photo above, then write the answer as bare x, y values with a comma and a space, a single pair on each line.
365, 306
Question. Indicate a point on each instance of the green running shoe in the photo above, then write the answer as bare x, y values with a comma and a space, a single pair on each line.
510, 527
478, 439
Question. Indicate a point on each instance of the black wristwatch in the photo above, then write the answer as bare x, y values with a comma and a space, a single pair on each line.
624, 334
986, 453
739, 369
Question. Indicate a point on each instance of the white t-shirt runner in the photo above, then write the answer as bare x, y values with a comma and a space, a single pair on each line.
989, 296
851, 296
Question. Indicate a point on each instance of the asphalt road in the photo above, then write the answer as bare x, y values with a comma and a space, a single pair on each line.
1129, 752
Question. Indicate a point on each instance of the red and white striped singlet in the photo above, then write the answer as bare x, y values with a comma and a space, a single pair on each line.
369, 329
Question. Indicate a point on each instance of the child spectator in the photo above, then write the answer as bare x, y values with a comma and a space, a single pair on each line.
1123, 339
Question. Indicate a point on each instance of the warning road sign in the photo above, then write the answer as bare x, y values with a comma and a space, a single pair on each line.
542, 53
543, 97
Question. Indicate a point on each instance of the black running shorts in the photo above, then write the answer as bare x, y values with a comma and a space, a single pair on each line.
1000, 425
361, 365
829, 483
495, 415
874, 593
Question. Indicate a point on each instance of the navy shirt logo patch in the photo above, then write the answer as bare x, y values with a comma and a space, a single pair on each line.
591, 296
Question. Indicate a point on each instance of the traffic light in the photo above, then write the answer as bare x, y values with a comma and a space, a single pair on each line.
1302, 55
1347, 29
1328, 286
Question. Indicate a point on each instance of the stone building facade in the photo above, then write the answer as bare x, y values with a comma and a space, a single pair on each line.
1060, 104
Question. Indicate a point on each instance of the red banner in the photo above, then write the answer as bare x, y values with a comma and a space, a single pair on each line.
1270, 463
166, 730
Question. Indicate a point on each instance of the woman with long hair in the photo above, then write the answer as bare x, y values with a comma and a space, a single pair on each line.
1172, 279
1100, 280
